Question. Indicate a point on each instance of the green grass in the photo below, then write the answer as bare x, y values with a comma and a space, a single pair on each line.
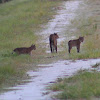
86, 24
84, 85
6, 72
19, 21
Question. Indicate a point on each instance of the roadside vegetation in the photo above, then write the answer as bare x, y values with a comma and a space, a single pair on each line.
85, 85
19, 21
87, 24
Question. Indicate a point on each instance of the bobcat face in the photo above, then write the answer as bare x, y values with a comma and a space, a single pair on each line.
53, 42
75, 43
33, 47
81, 39
56, 36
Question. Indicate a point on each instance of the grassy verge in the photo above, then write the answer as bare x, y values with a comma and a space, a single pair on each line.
84, 85
19, 20
87, 24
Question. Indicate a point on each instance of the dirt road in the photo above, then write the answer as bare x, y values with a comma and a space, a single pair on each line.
36, 89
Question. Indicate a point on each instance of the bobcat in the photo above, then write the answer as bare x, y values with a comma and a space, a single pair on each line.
76, 43
53, 42
25, 50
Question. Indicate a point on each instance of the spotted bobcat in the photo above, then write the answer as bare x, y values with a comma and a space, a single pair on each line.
75, 43
25, 50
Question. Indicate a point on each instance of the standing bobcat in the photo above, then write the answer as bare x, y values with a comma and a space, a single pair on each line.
75, 43
25, 50
53, 42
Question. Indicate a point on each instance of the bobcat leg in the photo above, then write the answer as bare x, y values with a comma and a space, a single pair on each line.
51, 47
78, 49
69, 49
30, 53
56, 49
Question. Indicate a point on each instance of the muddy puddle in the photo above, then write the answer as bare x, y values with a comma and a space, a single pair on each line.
36, 88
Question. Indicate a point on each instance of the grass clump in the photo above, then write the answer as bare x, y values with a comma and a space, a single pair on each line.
96, 65
81, 86
6, 73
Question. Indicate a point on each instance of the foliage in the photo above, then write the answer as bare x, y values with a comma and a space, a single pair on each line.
19, 20
84, 85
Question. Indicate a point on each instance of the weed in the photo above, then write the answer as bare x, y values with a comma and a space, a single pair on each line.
19, 20
96, 65
84, 85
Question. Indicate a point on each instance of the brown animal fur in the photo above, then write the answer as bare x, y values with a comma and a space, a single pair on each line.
75, 43
25, 50
53, 42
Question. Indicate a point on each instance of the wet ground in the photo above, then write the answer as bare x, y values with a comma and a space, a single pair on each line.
36, 88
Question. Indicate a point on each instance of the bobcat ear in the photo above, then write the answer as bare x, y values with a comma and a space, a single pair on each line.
83, 36
55, 33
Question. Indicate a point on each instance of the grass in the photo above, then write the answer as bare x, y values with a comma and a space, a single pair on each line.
86, 24
84, 85
19, 21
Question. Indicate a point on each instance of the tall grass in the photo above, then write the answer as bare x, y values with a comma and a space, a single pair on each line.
19, 21
84, 85
5, 72
86, 24
81, 86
